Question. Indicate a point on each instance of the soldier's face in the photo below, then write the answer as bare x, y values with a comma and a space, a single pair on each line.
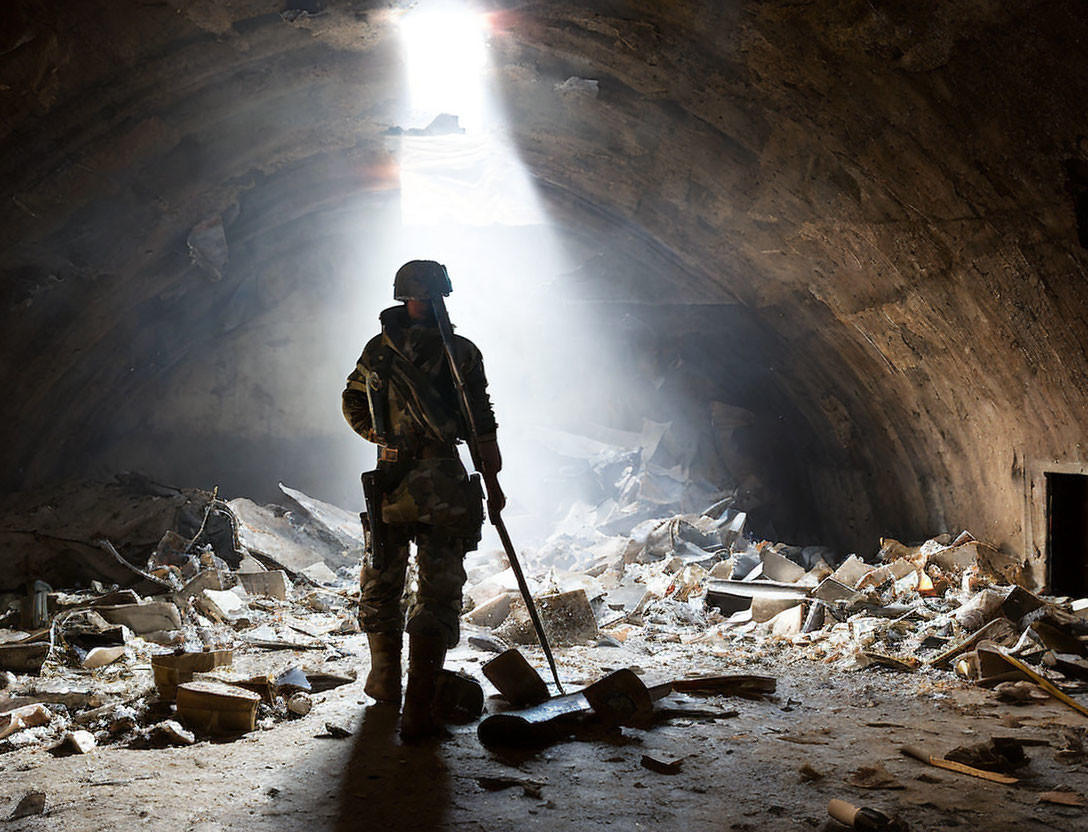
418, 309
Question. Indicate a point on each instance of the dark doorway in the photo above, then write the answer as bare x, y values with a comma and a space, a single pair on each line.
1067, 533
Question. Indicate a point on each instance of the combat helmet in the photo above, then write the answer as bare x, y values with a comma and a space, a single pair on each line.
421, 280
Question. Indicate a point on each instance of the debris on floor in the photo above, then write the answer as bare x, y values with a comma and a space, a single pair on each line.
186, 617
174, 629
863, 818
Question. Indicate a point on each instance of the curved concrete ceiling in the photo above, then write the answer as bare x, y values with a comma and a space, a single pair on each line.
875, 204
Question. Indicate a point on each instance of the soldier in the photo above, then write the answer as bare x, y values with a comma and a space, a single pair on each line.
402, 397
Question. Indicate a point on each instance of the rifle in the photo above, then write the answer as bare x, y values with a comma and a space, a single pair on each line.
377, 532
442, 317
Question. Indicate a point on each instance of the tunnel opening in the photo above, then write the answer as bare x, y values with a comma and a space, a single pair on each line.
1067, 533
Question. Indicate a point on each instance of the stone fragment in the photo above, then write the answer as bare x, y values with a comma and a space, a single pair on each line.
764, 609
217, 708
491, 613
300, 703
830, 590
76, 742
852, 570
143, 618
489, 644
221, 605
102, 656
272, 583
170, 732
25, 716
567, 617
208, 579
782, 569
788, 622
32, 803
320, 573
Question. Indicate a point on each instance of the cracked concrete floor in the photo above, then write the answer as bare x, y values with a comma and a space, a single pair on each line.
739, 773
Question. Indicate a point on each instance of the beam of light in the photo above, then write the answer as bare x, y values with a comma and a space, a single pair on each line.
467, 200
464, 175
446, 57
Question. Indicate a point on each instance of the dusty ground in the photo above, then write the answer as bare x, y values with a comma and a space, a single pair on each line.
738, 773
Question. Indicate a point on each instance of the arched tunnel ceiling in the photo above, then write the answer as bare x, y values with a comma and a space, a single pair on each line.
873, 203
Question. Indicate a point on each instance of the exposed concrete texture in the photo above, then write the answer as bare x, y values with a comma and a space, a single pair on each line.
879, 199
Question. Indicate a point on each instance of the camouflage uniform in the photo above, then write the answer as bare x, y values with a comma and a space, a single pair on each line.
428, 496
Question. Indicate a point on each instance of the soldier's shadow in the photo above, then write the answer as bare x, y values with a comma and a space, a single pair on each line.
389, 785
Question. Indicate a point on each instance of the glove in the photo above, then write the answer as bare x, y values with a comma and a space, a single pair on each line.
490, 462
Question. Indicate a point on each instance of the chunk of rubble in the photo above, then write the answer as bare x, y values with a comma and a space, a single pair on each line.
31, 804
170, 732
217, 708
789, 622
491, 613
143, 618
24, 657
102, 656
21, 718
567, 617
76, 742
270, 583
320, 573
278, 534
222, 605
781, 569
852, 570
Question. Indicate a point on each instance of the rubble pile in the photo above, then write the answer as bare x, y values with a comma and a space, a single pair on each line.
233, 619
187, 615
947, 605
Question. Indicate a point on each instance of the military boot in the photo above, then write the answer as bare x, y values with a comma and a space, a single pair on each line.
383, 681
426, 653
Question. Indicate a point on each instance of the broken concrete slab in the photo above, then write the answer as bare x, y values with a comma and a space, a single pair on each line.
271, 583
143, 618
852, 570
733, 596
173, 669
831, 590
217, 708
24, 656
781, 569
274, 532
789, 622
342, 524
221, 605
992, 563
516, 679
764, 609
102, 656
320, 573
208, 579
491, 613
567, 617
